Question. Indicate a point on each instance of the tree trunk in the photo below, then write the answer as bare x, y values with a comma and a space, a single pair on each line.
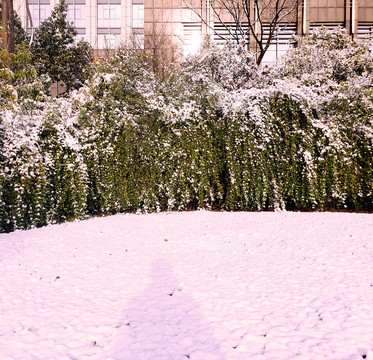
10, 29
8, 25
4, 20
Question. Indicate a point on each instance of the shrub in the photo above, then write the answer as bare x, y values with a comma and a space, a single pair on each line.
129, 141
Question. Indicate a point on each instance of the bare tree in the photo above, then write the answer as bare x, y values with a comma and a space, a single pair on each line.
254, 22
158, 42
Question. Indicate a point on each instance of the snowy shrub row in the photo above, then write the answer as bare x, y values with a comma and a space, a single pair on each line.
42, 177
215, 134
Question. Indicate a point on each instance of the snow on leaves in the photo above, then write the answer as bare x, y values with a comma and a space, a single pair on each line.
215, 133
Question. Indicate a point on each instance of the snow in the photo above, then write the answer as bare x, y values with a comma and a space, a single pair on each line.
190, 285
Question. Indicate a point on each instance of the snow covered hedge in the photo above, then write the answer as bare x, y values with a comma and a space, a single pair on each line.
215, 134
42, 177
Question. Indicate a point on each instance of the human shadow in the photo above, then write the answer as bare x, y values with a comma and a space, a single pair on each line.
164, 323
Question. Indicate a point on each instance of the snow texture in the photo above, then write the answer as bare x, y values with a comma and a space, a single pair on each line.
193, 285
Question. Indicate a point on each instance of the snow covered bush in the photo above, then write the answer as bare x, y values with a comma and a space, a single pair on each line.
142, 140
325, 58
64, 167
339, 73
214, 133
231, 67
19, 83
42, 175
112, 116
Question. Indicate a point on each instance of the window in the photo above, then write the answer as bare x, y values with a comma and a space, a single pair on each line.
365, 30
108, 15
80, 37
40, 10
108, 24
138, 23
326, 24
108, 41
138, 38
281, 42
192, 36
76, 13
226, 31
137, 16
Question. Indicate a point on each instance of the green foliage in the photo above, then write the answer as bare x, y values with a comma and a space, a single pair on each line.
129, 141
350, 114
19, 82
20, 37
55, 54
65, 172
42, 174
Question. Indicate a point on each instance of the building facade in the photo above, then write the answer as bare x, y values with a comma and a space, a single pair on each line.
107, 24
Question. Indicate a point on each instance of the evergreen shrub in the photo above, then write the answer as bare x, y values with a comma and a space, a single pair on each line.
128, 141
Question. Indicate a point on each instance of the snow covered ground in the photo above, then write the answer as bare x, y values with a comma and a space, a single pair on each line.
193, 285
